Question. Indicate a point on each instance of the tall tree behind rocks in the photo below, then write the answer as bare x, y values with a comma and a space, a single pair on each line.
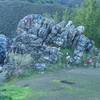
88, 16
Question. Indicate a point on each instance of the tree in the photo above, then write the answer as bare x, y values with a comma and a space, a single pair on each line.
87, 15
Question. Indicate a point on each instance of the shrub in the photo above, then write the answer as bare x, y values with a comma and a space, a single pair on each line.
19, 65
20, 60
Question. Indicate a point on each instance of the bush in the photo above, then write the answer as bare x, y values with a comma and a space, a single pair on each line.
19, 65
20, 60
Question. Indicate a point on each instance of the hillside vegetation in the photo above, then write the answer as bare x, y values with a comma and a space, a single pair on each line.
71, 3
85, 13
12, 12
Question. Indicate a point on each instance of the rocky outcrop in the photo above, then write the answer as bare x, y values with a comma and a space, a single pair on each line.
42, 38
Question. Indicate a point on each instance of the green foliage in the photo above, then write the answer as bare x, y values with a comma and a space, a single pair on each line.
57, 17
88, 16
19, 66
12, 92
66, 15
20, 60
47, 15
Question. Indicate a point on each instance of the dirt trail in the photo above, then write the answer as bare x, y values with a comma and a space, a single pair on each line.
75, 84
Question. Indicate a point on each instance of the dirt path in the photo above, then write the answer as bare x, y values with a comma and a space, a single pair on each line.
75, 84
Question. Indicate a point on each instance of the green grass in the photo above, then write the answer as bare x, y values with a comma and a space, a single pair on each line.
12, 92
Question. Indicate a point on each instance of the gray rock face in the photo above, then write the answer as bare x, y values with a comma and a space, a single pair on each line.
42, 37
3, 48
